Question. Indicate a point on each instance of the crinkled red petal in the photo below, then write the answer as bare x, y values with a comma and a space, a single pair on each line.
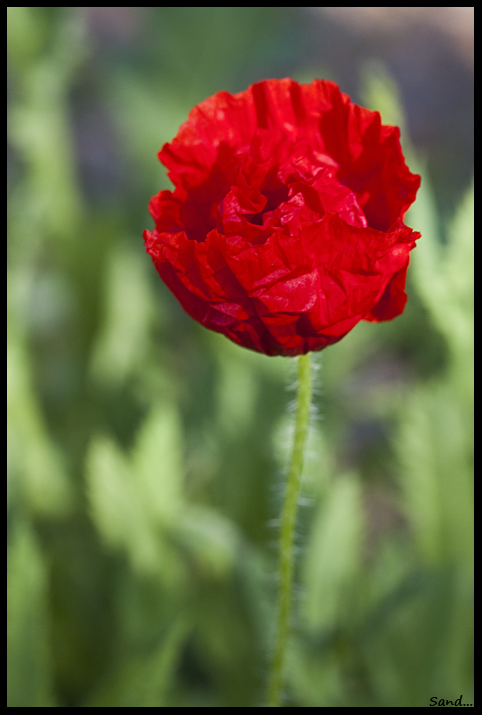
285, 227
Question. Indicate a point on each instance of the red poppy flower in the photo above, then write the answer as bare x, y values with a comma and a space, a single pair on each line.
285, 228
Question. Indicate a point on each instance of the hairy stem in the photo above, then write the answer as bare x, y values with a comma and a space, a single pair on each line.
288, 522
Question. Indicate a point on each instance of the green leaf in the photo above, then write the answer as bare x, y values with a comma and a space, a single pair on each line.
145, 681
35, 469
116, 507
157, 468
434, 448
210, 537
29, 676
444, 274
332, 558
135, 503
123, 339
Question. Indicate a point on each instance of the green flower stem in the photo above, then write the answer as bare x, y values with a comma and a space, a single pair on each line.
288, 522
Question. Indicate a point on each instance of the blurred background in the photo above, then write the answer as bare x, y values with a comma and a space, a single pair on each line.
146, 454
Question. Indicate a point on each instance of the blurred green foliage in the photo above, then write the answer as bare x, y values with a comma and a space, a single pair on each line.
145, 454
